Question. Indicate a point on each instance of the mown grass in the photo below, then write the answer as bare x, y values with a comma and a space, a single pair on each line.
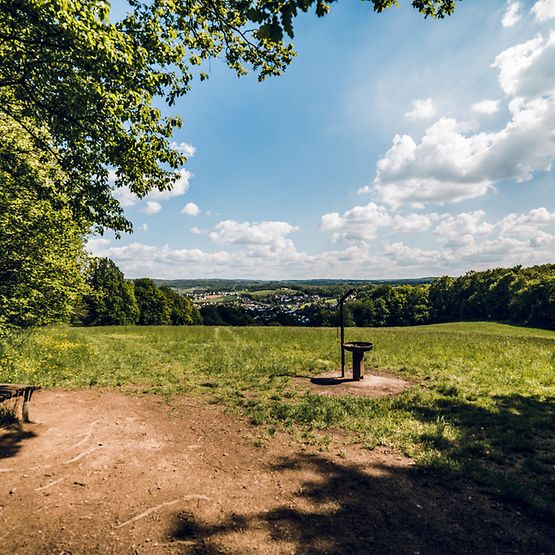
482, 404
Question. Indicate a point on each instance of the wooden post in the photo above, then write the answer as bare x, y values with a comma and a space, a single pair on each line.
26, 411
26, 401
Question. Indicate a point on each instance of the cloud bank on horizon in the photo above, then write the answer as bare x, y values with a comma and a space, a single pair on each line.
412, 224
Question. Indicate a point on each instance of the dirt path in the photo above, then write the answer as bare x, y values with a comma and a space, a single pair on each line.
109, 473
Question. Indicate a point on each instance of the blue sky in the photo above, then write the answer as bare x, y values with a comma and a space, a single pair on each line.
392, 147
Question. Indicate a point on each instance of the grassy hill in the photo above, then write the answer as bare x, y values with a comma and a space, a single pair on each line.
482, 403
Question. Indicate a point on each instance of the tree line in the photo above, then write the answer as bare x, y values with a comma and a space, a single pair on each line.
520, 295
111, 300
96, 293
524, 295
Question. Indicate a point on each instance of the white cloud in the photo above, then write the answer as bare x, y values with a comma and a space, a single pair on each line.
526, 144
461, 230
363, 223
252, 233
404, 255
526, 224
544, 10
251, 261
452, 162
151, 207
457, 259
263, 250
138, 259
179, 188
184, 148
360, 222
125, 197
143, 227
486, 107
139, 255
98, 245
412, 222
542, 240
190, 209
508, 251
541, 216
421, 109
442, 168
364, 190
516, 65
512, 13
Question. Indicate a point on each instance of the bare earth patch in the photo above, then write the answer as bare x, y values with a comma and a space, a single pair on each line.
108, 473
373, 384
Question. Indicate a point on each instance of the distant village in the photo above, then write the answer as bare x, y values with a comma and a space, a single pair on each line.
267, 306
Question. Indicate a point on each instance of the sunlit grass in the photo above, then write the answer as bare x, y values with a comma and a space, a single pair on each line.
481, 404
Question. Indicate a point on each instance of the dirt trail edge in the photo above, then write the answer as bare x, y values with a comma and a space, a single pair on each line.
102, 472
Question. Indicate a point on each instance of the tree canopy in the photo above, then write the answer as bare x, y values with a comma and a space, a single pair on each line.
93, 82
182, 310
153, 305
110, 300
41, 245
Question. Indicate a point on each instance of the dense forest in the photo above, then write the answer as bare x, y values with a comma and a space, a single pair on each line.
521, 295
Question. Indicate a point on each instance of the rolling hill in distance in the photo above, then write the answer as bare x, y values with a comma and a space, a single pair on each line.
242, 284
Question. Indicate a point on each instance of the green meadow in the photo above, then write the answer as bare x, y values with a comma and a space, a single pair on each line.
481, 405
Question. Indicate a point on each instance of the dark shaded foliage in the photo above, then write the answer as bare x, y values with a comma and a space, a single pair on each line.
110, 300
525, 295
153, 305
182, 310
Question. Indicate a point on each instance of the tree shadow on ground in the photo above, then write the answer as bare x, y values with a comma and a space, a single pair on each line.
12, 436
387, 510
507, 446
341, 507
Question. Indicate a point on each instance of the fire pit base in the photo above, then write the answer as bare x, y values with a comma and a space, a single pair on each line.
373, 385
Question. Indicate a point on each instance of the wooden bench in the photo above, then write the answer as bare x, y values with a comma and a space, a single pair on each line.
13, 391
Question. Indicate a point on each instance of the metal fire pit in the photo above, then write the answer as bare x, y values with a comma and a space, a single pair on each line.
358, 348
